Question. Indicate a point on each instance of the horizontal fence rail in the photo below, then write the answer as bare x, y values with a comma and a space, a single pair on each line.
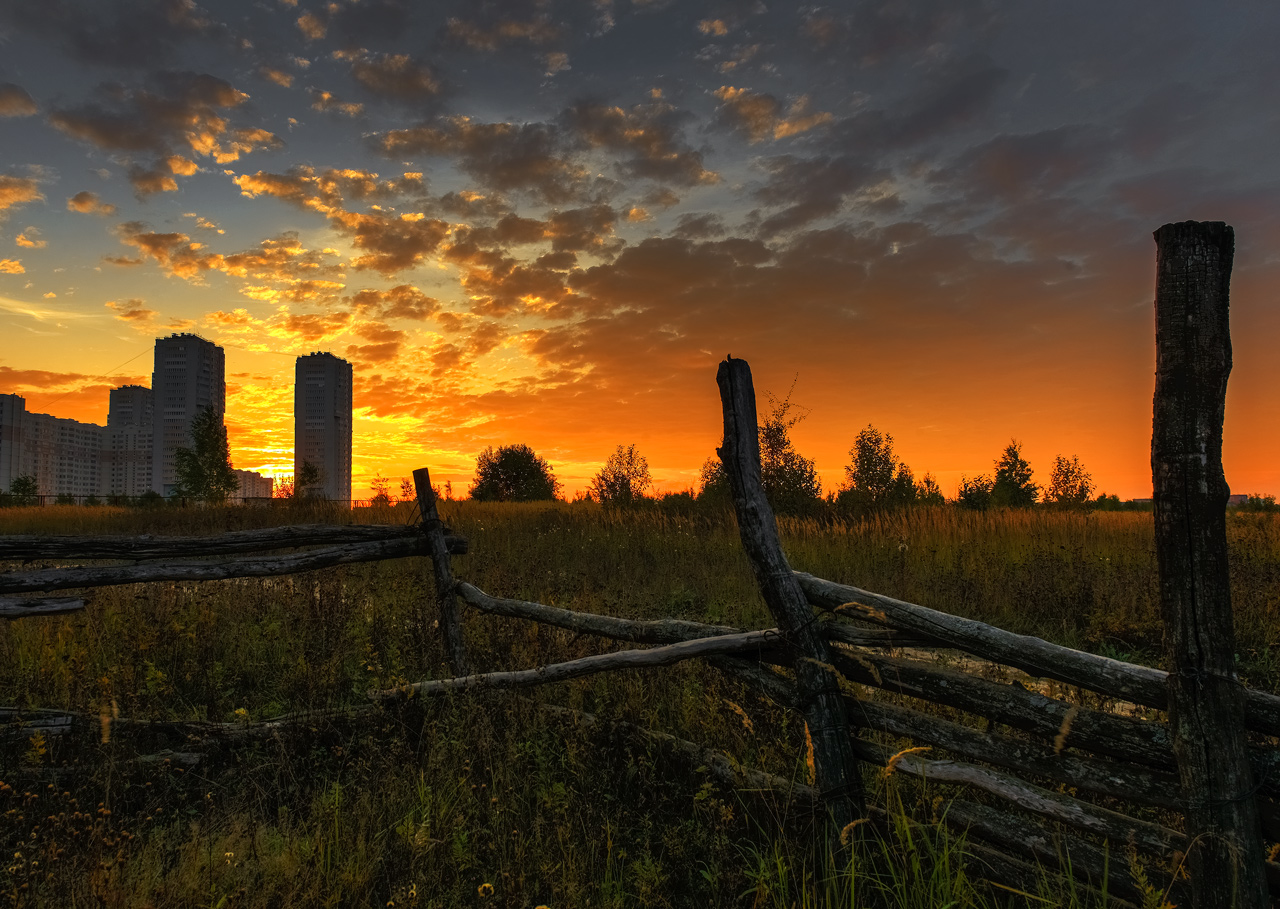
1141, 685
249, 567
28, 547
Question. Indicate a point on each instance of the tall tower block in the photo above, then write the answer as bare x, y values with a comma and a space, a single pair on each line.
127, 449
322, 421
189, 375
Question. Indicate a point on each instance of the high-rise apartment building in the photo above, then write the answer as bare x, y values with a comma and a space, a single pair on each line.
62, 455
189, 375
125, 468
253, 485
322, 421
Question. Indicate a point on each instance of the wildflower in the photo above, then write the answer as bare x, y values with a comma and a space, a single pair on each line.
485, 891
847, 832
893, 761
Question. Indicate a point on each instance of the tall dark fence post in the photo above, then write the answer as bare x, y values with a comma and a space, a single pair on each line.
1206, 700
835, 767
445, 597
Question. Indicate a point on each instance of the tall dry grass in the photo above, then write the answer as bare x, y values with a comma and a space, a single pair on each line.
425, 806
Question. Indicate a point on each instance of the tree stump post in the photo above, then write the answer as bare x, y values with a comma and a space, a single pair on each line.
445, 597
1206, 699
836, 769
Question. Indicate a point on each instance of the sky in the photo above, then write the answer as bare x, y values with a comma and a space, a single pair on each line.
547, 222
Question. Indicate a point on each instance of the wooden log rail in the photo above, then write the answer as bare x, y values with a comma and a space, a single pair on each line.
23, 547
26, 607
1131, 682
191, 570
1143, 743
605, 662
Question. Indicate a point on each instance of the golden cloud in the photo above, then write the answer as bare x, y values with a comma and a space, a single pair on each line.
133, 311
15, 191
396, 76
312, 27
88, 203
11, 267
325, 101
180, 111
279, 77
30, 239
761, 117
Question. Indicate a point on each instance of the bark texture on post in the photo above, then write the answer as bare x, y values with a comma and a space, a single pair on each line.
445, 597
1206, 699
835, 766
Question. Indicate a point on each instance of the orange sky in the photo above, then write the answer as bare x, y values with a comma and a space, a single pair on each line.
547, 224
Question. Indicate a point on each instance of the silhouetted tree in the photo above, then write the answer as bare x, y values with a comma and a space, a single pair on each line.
1013, 486
975, 492
875, 478
790, 480
1070, 485
713, 484
513, 473
928, 492
381, 487
309, 483
24, 490
203, 471
623, 480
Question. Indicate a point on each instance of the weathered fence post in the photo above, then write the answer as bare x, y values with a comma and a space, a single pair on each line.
835, 766
1206, 699
448, 602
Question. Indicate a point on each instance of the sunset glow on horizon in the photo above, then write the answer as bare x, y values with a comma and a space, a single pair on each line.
547, 222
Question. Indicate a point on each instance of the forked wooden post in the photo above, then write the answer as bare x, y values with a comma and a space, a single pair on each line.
445, 597
835, 766
1206, 699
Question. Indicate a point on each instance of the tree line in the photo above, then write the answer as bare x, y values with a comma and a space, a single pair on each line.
876, 479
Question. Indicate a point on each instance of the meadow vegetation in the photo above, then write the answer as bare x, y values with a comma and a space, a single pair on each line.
497, 799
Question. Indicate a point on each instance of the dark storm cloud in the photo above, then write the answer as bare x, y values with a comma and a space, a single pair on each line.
649, 136
882, 31
1009, 169
399, 77
528, 157
951, 99
178, 112
125, 33
15, 102
811, 188
355, 23
491, 30
1167, 114
699, 226
150, 119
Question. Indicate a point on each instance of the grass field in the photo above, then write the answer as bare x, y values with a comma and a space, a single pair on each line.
494, 800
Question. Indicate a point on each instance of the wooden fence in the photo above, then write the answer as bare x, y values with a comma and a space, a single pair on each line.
1073, 765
